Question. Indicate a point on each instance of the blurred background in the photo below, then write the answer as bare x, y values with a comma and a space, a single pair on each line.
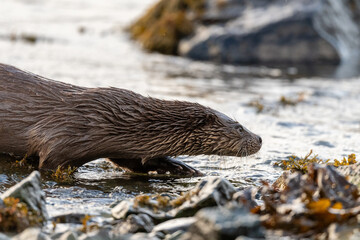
286, 69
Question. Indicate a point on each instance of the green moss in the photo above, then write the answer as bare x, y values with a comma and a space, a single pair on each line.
300, 164
163, 25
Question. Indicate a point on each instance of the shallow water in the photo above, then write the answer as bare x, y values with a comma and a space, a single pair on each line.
83, 42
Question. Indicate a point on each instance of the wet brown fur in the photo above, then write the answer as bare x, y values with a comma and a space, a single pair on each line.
64, 125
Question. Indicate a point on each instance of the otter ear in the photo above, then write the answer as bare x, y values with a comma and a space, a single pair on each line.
210, 118
207, 119
201, 120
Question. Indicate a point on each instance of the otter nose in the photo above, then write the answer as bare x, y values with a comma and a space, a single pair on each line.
260, 140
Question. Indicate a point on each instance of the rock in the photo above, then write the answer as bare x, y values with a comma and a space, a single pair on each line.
337, 231
133, 224
175, 225
257, 31
4, 237
69, 218
224, 223
175, 236
310, 203
247, 197
126, 207
29, 191
355, 236
140, 236
214, 191
68, 235
271, 32
31, 234
96, 235
352, 172
250, 238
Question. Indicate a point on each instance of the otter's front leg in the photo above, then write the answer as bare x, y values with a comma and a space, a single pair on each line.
161, 165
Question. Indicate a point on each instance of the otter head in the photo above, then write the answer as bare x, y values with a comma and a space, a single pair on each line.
221, 135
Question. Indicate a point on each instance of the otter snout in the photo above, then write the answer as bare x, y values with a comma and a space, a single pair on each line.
251, 144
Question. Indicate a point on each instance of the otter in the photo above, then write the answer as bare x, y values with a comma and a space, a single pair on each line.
66, 125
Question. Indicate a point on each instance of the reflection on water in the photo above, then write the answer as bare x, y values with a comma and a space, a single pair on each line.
89, 48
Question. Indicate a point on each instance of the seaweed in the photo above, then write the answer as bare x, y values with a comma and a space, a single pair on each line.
301, 164
260, 106
309, 203
62, 174
15, 216
163, 203
344, 162
141, 200
156, 203
168, 21
257, 104
177, 202
285, 101
23, 163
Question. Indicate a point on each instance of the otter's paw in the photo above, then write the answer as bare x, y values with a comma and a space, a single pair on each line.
174, 167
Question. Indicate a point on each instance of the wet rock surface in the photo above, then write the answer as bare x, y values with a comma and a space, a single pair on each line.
29, 191
320, 203
207, 193
253, 32
23, 205
175, 225
275, 32
32, 234
4, 237
224, 223
135, 223
262, 32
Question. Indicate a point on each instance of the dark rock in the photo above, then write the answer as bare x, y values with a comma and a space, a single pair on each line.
69, 218
133, 224
31, 234
126, 207
212, 192
29, 191
207, 193
255, 31
174, 225
263, 32
224, 223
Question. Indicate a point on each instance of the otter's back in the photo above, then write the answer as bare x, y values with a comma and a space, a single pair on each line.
25, 99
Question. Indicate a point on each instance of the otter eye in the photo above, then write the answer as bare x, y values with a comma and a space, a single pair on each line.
239, 128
